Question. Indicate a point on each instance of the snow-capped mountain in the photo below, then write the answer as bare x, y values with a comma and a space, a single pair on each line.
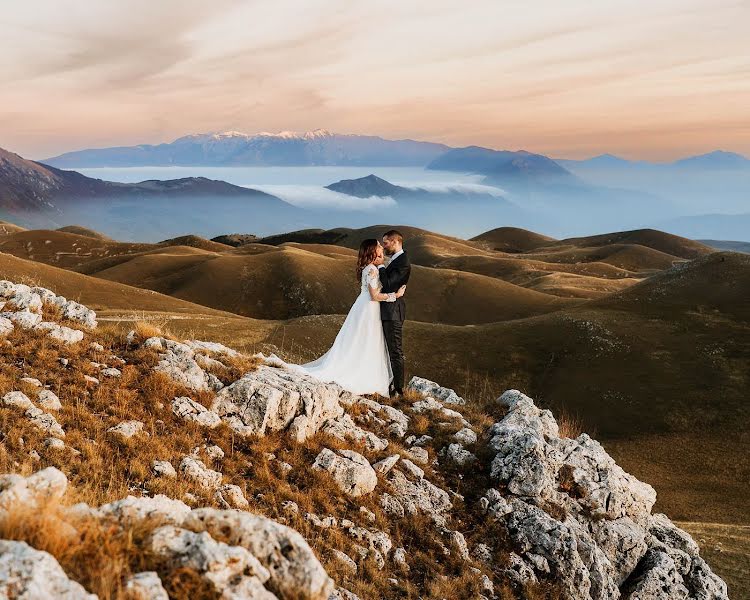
286, 148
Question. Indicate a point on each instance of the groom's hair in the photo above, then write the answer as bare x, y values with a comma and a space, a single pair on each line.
394, 234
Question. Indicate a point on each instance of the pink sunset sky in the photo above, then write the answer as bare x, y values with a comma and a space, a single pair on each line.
645, 80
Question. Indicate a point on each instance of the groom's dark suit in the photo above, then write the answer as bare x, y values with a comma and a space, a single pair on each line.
393, 314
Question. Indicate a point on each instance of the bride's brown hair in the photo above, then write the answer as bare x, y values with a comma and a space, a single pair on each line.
368, 250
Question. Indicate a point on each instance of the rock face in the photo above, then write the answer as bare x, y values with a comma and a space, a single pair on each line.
273, 399
601, 542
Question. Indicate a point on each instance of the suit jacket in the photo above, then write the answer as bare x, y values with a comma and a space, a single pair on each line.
393, 277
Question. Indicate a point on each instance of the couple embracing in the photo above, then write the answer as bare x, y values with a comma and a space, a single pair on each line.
367, 356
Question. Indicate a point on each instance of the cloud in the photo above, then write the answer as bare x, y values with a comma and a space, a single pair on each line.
315, 197
458, 188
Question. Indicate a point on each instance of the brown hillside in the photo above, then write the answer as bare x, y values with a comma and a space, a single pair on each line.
718, 282
289, 281
85, 231
651, 238
513, 239
63, 249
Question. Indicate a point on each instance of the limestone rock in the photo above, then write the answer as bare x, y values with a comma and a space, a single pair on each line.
270, 399
385, 465
160, 510
231, 496
126, 429
602, 535
196, 471
233, 571
350, 470
420, 496
42, 486
163, 468
30, 574
178, 363
48, 400
294, 570
145, 586
345, 561
78, 312
45, 421
432, 389
18, 399
190, 410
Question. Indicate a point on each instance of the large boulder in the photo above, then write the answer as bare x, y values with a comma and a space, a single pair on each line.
575, 516
271, 399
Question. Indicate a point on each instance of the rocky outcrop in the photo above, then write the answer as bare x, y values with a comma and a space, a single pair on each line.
272, 399
575, 516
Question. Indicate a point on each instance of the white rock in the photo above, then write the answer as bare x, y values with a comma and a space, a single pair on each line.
132, 510
385, 465
459, 456
111, 372
33, 381
23, 318
77, 312
199, 473
64, 334
270, 399
6, 326
411, 469
430, 388
231, 496
418, 454
43, 486
163, 468
465, 436
190, 410
96, 347
127, 429
345, 561
295, 572
352, 473
44, 421
54, 443
48, 400
233, 571
30, 574
145, 586
18, 399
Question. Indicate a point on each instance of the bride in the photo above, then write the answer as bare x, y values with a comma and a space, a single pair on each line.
358, 360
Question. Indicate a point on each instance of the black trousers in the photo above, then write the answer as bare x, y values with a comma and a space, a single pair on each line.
393, 335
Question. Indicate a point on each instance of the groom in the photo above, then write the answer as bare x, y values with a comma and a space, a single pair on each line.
393, 314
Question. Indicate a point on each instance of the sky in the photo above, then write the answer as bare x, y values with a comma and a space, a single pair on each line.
654, 80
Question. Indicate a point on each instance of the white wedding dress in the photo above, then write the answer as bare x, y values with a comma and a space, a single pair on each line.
358, 360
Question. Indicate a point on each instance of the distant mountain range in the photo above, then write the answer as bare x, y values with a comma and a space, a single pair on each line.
232, 148
716, 160
501, 165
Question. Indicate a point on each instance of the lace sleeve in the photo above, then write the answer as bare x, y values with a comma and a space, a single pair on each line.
372, 278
